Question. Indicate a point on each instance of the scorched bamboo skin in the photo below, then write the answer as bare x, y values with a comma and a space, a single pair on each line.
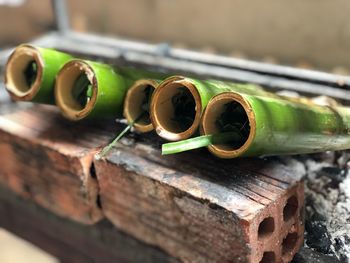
276, 125
31, 71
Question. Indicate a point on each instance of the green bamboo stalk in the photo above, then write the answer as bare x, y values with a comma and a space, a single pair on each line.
178, 103
136, 110
136, 107
87, 89
276, 125
31, 71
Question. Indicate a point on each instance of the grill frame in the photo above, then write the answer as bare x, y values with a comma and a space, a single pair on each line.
163, 57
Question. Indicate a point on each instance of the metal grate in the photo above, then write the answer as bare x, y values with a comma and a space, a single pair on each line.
163, 57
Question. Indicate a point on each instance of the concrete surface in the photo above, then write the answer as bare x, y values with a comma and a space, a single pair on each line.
16, 250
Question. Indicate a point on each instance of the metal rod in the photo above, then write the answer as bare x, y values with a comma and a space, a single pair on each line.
155, 57
219, 60
61, 15
271, 82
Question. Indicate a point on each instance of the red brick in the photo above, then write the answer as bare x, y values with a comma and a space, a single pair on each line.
202, 209
48, 160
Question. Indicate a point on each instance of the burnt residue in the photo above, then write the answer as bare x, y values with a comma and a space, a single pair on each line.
326, 202
339, 244
307, 255
317, 235
335, 175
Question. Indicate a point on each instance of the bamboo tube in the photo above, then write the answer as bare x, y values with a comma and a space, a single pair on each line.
89, 89
178, 103
137, 104
275, 125
95, 90
30, 73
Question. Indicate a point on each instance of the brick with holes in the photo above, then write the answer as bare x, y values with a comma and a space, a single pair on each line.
48, 159
202, 209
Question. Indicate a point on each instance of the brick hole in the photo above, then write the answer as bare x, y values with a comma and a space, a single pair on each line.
289, 243
290, 208
268, 257
266, 227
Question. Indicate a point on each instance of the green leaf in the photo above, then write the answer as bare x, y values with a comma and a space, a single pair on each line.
199, 142
106, 149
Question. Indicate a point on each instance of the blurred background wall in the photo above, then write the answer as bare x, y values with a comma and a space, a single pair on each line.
21, 20
305, 33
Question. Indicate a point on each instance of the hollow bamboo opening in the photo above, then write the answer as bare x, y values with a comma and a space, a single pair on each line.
229, 112
76, 89
23, 73
137, 104
176, 109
